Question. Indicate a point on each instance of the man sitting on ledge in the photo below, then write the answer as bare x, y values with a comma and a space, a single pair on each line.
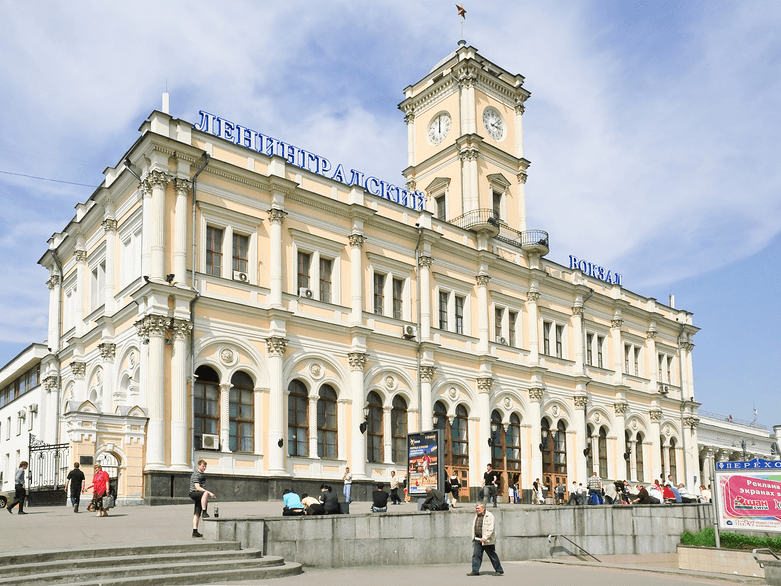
379, 500
329, 499
435, 501
293, 505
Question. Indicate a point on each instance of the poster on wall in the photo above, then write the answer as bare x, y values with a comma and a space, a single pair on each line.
423, 457
749, 495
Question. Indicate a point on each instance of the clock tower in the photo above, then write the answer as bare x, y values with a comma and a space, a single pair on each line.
465, 143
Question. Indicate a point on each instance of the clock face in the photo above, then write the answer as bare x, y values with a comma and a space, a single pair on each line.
494, 123
438, 128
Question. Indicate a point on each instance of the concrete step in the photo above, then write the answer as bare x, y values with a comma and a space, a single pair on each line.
78, 553
111, 561
154, 572
202, 577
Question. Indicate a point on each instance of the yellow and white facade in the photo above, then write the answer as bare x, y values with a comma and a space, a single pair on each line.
227, 296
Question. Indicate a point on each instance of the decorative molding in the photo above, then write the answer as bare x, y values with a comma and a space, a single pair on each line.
157, 179
452, 392
484, 384
227, 356
156, 325
107, 351
468, 154
655, 415
522, 177
225, 387
616, 322
80, 255
50, 383
181, 329
687, 346
276, 216
620, 407
482, 280
651, 334
357, 360
109, 225
316, 370
577, 310
411, 185
692, 422
507, 402
409, 116
79, 369
54, 281
357, 240
276, 346
425, 261
427, 373
580, 401
390, 382
533, 296
182, 186
536, 394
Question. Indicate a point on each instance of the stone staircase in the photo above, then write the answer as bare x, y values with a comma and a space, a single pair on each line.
196, 562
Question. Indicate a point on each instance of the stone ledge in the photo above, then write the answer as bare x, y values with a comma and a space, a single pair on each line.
721, 561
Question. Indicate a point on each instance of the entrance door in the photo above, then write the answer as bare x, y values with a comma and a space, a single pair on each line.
110, 464
554, 455
456, 444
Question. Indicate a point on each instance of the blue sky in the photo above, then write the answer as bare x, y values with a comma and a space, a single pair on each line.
653, 131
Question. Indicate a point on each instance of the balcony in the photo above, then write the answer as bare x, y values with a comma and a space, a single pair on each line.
487, 220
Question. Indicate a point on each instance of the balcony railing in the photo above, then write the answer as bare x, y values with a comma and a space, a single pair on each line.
488, 219
477, 218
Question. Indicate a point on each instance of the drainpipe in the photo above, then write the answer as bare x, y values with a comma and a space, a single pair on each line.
419, 342
206, 159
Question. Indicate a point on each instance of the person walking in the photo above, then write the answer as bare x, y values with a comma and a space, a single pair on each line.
394, 489
75, 481
20, 492
484, 539
490, 479
99, 488
348, 483
200, 495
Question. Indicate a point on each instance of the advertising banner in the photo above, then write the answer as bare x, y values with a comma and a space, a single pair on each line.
423, 453
749, 495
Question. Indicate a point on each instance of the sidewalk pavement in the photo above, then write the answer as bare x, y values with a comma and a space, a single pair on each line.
47, 528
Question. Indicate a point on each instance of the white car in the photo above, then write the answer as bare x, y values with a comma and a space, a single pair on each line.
6, 496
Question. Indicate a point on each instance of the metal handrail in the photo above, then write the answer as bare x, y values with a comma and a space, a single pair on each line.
476, 217
556, 535
764, 550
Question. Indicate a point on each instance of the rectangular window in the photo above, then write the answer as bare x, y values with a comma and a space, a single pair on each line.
669, 369
379, 293
661, 366
326, 270
513, 323
498, 319
441, 213
97, 282
240, 253
459, 306
242, 420
398, 298
214, 251
546, 326
600, 344
443, 302
497, 204
627, 352
637, 360
304, 264
207, 411
560, 341
589, 352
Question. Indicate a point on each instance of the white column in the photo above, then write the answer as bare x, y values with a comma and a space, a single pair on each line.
522, 176
427, 402
482, 313
276, 351
652, 371
535, 415
705, 471
618, 349
666, 462
180, 455
154, 327
633, 461
313, 425
653, 444
182, 188
473, 180
409, 119
356, 278
519, 110
276, 217
258, 417
358, 452
345, 433
484, 385
534, 344
387, 439
425, 262
146, 214
581, 434
82, 289
107, 354
157, 181
109, 283
55, 314
577, 329
691, 453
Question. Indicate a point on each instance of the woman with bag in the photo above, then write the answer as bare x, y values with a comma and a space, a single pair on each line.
100, 489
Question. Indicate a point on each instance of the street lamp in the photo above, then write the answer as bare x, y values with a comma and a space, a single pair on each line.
365, 423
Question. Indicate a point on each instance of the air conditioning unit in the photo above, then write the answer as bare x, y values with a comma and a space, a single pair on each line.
210, 441
34, 408
663, 389
410, 332
502, 341
239, 276
304, 292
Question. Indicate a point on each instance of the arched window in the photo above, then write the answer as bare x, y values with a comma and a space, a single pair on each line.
242, 413
560, 448
206, 408
498, 439
639, 458
628, 444
297, 419
440, 416
673, 463
460, 435
327, 428
590, 453
399, 429
374, 429
602, 452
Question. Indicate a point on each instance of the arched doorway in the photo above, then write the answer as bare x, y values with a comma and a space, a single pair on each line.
110, 463
554, 454
456, 443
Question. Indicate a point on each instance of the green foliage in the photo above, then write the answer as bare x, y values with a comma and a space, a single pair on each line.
707, 538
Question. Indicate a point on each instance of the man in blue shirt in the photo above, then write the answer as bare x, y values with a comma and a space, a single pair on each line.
21, 493
293, 504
